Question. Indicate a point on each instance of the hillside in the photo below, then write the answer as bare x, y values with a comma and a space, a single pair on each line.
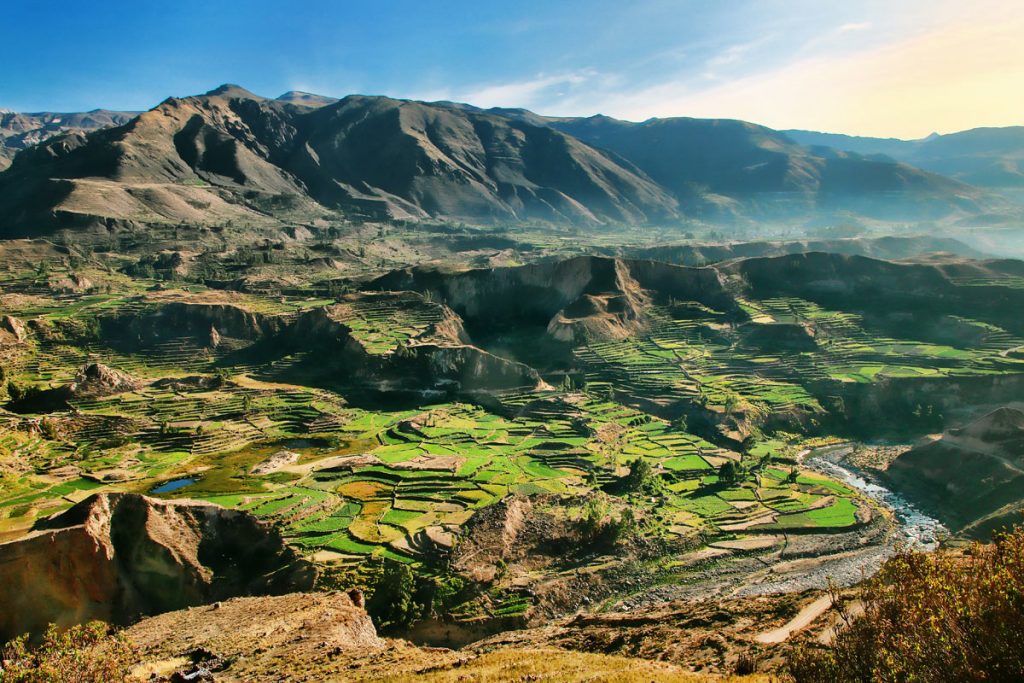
480, 449
117, 556
972, 477
231, 156
986, 157
720, 167
888, 248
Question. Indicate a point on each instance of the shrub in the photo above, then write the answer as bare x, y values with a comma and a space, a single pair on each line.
90, 653
599, 527
932, 617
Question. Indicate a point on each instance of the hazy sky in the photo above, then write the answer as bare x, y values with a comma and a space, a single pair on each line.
899, 68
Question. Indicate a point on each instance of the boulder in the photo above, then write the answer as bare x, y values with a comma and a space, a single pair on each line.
14, 326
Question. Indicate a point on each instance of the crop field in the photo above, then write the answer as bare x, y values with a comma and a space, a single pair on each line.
382, 323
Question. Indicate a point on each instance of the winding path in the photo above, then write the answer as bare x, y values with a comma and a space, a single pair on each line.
805, 616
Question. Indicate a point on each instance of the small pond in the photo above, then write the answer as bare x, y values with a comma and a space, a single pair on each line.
174, 485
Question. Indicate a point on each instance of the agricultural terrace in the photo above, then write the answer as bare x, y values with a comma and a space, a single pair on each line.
781, 358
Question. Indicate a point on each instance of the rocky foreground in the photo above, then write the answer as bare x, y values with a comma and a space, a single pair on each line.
328, 636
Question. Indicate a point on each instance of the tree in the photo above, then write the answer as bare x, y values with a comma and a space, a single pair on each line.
593, 519
728, 473
731, 401
598, 526
639, 476
392, 603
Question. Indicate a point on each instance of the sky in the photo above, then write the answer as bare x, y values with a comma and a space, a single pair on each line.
894, 68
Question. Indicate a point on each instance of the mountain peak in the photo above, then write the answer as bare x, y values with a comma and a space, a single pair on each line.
307, 98
230, 90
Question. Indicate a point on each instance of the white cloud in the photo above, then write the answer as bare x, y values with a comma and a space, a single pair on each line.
731, 55
525, 93
855, 26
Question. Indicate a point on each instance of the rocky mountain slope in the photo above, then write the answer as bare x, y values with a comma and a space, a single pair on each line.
117, 556
229, 155
887, 248
720, 168
328, 636
972, 477
232, 157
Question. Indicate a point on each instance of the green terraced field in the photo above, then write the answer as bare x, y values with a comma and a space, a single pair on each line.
715, 404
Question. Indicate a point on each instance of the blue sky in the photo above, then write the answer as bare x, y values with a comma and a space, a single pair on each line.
901, 67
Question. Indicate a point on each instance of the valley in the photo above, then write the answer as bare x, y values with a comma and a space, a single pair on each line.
400, 388
520, 441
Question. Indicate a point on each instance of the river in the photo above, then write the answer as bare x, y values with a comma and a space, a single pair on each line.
917, 530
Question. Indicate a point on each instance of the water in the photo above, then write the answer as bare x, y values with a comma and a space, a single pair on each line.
174, 485
918, 530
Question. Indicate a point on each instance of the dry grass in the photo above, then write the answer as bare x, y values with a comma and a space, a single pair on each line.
558, 666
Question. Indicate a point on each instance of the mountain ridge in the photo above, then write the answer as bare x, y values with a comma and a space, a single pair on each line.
232, 156
985, 156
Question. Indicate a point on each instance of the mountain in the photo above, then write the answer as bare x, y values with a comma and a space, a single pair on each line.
986, 157
230, 155
18, 131
722, 167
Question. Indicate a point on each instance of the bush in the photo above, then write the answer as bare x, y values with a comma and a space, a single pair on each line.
932, 617
90, 653
600, 528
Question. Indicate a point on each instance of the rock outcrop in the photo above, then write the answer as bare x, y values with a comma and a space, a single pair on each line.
586, 296
93, 380
116, 557
437, 357
96, 380
13, 327
206, 322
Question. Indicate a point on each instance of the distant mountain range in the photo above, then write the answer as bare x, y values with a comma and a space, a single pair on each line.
18, 131
986, 157
230, 156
